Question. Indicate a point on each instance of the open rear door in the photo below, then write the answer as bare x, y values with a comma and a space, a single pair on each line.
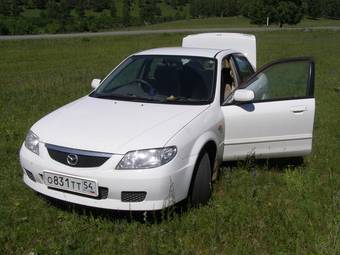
243, 43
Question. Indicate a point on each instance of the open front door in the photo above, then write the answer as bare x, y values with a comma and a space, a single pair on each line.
278, 122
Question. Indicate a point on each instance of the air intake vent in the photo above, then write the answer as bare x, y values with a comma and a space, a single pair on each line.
103, 192
30, 175
133, 196
77, 158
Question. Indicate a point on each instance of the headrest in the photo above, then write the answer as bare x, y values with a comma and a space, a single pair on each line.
225, 63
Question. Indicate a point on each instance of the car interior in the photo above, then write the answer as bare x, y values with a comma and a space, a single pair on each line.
173, 78
228, 81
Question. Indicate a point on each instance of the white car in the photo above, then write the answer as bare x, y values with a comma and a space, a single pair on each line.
156, 129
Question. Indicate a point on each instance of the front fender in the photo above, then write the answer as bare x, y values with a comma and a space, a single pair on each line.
208, 126
202, 141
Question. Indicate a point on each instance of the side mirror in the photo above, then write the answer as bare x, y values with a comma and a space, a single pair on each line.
95, 83
244, 95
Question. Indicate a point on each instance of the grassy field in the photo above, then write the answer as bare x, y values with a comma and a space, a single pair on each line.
256, 208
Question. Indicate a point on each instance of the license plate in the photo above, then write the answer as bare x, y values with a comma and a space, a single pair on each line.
71, 183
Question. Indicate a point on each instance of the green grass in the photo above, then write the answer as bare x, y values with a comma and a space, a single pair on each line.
306, 22
263, 209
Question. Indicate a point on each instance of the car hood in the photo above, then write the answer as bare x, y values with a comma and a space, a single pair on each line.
114, 126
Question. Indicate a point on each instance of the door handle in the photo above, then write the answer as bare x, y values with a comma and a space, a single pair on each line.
298, 109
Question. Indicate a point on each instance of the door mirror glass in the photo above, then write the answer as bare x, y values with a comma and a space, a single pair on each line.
243, 95
95, 83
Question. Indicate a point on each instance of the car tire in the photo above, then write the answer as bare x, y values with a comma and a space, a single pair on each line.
201, 183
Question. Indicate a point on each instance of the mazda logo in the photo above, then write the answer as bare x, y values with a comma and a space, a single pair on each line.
72, 159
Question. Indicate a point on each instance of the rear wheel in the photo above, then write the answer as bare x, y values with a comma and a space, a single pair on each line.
201, 184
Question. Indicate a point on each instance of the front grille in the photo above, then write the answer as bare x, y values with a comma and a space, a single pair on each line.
30, 175
133, 196
77, 158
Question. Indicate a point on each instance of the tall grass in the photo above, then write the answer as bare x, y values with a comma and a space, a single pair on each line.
256, 208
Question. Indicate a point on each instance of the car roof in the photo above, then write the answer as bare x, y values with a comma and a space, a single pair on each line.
181, 51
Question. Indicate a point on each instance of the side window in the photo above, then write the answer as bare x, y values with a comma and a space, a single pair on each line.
284, 80
245, 70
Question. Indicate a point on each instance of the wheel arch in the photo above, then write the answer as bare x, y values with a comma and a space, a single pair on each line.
211, 148
208, 143
211, 143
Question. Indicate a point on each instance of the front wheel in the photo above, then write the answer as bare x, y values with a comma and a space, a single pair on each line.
201, 185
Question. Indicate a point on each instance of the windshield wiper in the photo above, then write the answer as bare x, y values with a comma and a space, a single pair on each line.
180, 99
135, 98
128, 97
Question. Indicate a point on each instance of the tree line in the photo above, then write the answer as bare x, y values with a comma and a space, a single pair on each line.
260, 11
54, 16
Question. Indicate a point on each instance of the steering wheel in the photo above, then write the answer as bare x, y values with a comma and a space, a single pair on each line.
144, 85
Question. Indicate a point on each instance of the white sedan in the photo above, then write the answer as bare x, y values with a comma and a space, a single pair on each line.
156, 129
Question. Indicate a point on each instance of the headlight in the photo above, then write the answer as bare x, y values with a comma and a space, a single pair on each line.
32, 142
151, 158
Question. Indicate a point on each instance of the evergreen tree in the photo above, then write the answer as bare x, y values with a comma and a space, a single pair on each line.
98, 5
173, 3
52, 9
80, 8
200, 8
3, 29
113, 9
72, 3
29, 4
230, 8
149, 11
280, 12
127, 4
288, 13
197, 8
331, 8
40, 4
258, 13
64, 11
5, 7
314, 8
176, 4
15, 7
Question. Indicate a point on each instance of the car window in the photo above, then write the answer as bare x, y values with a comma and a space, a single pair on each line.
281, 81
125, 75
244, 68
166, 79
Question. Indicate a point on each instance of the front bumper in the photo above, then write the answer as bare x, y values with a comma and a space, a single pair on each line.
164, 185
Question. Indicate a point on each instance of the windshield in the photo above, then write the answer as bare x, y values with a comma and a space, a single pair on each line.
161, 79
